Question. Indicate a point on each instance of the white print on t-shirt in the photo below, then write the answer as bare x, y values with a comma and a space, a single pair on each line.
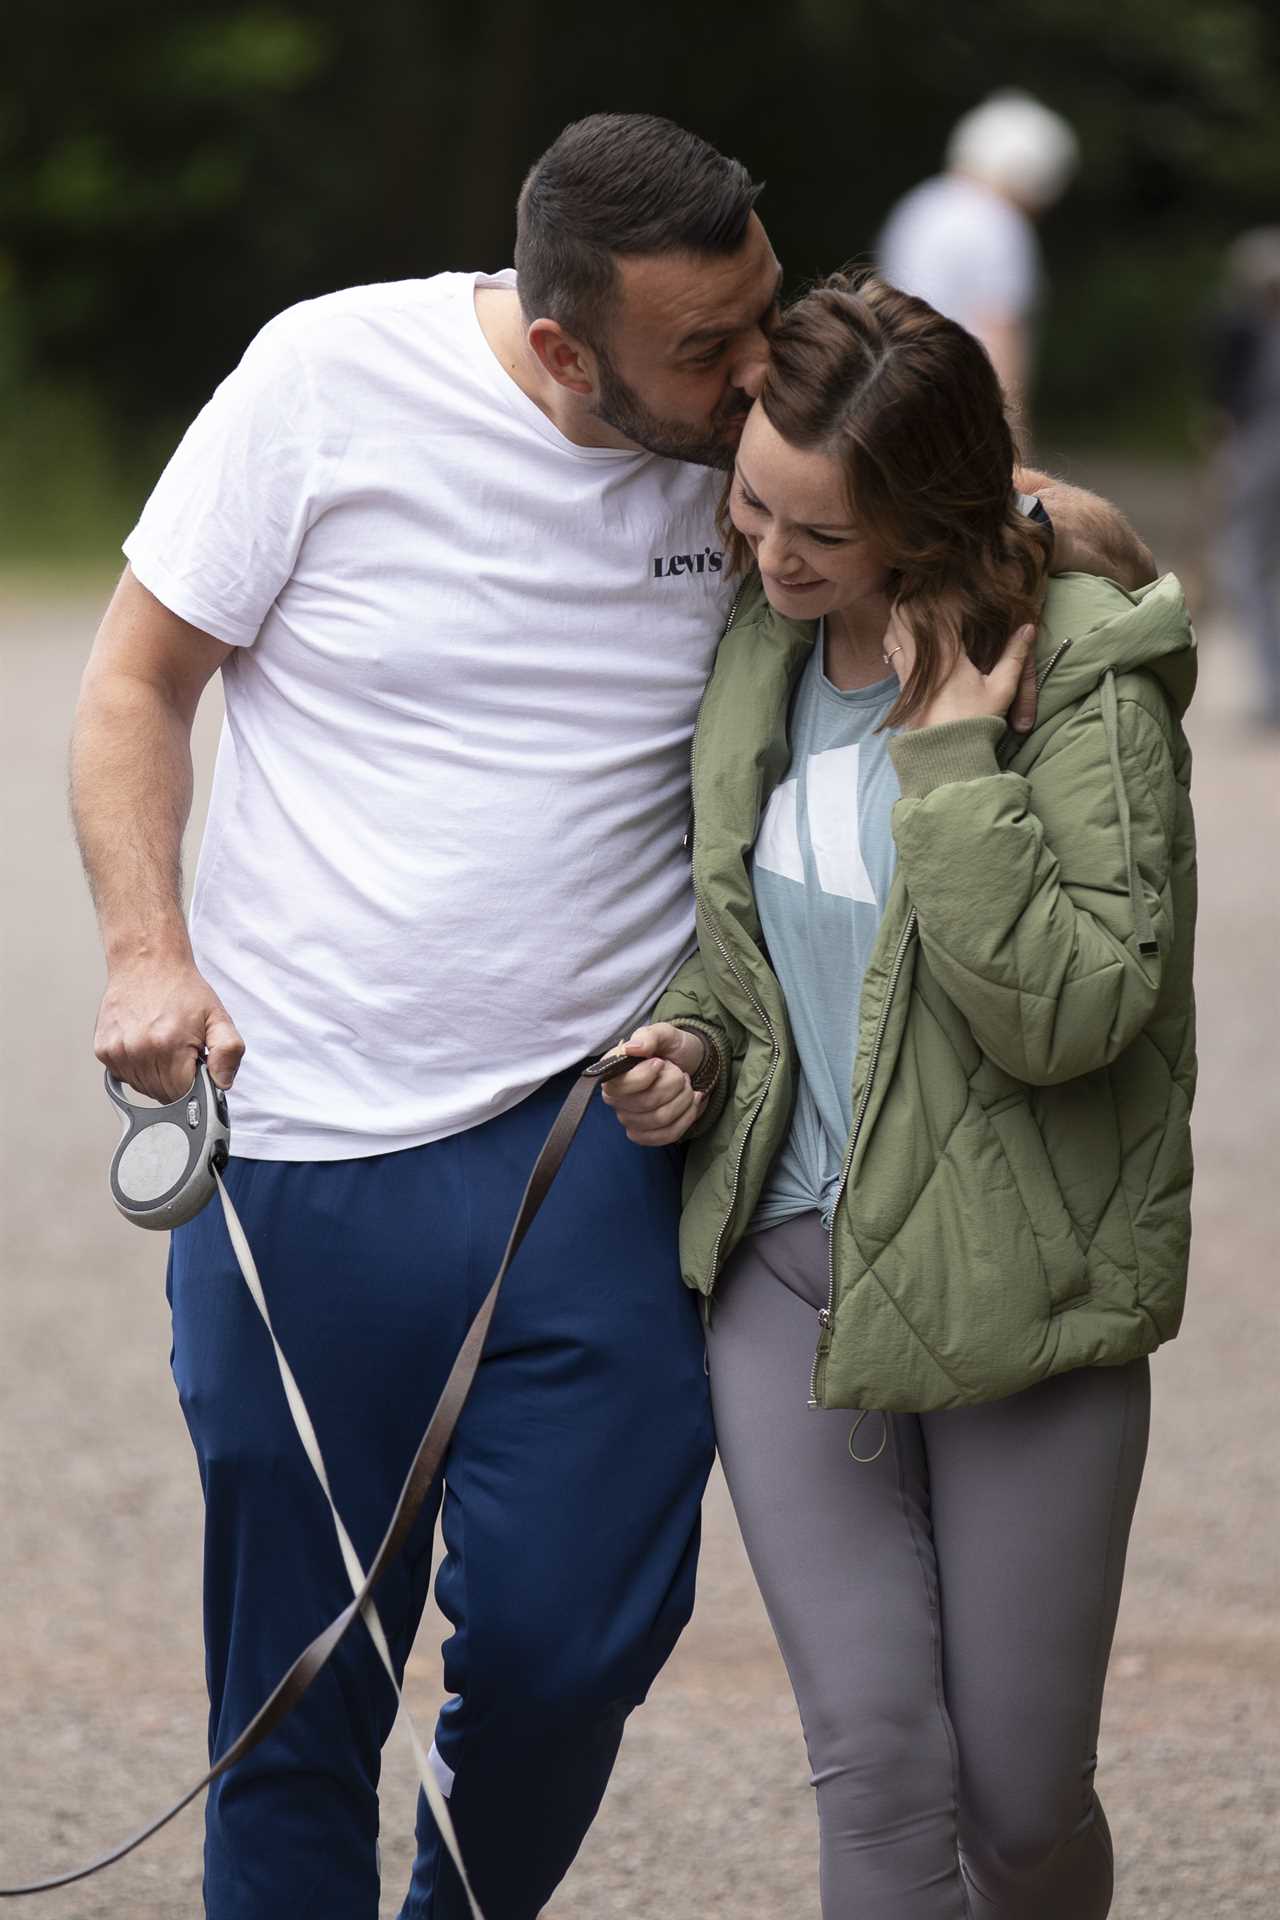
778, 841
831, 781
831, 792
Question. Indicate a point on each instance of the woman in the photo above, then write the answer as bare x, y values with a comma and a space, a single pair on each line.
935, 1054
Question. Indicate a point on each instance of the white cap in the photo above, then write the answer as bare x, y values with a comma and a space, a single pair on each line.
1016, 145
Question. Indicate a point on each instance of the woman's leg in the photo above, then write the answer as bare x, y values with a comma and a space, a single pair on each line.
842, 1553
1031, 1502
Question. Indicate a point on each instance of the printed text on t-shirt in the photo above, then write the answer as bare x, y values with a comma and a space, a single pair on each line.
666, 567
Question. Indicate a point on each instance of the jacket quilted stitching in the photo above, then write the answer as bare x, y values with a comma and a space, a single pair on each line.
1017, 1191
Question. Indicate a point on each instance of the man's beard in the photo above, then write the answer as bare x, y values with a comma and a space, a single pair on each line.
712, 444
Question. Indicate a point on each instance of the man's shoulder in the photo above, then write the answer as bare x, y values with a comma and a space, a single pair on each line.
349, 315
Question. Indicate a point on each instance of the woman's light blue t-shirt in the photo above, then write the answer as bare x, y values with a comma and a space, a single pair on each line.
822, 865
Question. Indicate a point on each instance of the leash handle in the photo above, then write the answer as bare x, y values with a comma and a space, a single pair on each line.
423, 1469
162, 1171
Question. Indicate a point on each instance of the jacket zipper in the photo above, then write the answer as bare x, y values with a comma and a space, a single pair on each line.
825, 1313
759, 1101
746, 989
1041, 677
1052, 662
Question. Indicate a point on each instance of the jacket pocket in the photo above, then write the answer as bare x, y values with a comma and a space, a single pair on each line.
1061, 1255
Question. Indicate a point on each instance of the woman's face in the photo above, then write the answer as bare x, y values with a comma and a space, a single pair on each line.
791, 508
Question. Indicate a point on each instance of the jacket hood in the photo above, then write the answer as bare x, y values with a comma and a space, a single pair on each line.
1091, 632
1091, 627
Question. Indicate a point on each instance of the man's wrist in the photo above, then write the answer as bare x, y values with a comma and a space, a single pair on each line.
163, 943
1091, 535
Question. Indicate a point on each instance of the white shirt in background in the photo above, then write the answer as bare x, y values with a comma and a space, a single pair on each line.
965, 249
443, 858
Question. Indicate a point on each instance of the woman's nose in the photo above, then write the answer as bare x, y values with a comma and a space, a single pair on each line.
774, 553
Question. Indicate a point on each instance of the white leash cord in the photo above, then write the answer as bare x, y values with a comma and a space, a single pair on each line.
351, 1560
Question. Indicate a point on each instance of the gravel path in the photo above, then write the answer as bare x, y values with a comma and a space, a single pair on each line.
710, 1813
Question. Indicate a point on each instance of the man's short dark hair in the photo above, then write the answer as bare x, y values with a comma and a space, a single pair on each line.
618, 184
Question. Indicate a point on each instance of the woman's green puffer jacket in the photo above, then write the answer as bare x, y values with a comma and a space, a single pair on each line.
1016, 1194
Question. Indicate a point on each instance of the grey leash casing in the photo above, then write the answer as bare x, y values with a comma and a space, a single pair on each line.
162, 1171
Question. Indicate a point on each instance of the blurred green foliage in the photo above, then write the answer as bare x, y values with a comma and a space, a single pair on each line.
169, 179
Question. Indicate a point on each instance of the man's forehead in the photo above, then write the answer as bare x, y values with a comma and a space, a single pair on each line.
693, 296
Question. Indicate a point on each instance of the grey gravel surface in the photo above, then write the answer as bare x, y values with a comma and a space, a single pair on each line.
710, 1814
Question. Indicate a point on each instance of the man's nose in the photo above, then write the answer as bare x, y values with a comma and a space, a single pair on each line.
752, 364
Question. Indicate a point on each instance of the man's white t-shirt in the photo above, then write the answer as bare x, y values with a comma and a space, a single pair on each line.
964, 249
444, 856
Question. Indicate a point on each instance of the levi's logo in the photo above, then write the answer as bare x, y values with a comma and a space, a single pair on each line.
668, 566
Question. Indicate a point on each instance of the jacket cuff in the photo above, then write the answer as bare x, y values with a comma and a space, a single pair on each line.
719, 1092
930, 757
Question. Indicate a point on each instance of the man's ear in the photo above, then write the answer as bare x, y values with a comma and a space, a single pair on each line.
570, 364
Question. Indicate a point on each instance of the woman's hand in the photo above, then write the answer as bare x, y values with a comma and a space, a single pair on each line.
963, 693
654, 1101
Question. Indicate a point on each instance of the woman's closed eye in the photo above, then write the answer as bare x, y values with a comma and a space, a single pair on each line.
750, 501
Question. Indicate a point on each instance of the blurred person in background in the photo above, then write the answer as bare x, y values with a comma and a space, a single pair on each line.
453, 546
943, 1168
966, 240
1244, 383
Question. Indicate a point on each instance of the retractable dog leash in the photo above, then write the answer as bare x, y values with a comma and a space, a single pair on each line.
166, 1166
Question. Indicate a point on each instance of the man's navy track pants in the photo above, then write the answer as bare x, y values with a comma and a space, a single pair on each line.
570, 1498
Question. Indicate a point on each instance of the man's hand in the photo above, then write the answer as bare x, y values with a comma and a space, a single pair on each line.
654, 1101
1089, 534
1022, 713
156, 1017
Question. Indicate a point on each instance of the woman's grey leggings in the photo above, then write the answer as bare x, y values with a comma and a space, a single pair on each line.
945, 1611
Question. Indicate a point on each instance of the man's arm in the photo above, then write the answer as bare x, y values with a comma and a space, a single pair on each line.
1089, 534
131, 785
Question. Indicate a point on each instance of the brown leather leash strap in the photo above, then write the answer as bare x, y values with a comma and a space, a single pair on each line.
423, 1471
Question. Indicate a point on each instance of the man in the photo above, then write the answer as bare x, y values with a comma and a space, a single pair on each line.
1244, 386
453, 547
966, 241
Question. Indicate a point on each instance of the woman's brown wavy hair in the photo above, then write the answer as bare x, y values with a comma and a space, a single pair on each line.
910, 406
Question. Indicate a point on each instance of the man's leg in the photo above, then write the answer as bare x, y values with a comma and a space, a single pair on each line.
571, 1510
362, 1262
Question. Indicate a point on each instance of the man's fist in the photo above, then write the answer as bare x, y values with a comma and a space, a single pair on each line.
156, 1018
